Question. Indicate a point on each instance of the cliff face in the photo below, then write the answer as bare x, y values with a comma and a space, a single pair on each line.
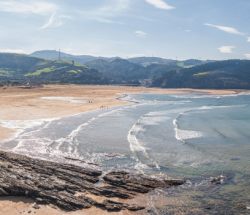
69, 187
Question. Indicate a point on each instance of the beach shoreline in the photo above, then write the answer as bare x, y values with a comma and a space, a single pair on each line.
56, 101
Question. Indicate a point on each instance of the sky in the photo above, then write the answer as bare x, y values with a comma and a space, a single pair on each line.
176, 29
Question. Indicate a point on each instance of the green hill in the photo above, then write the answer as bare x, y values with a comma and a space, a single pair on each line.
15, 68
54, 55
229, 74
119, 71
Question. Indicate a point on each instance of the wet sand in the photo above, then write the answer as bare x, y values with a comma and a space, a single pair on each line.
176, 204
23, 206
5, 133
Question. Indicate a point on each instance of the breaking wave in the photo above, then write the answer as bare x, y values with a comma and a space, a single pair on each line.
137, 146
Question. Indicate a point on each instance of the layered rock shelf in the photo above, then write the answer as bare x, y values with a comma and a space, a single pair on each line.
71, 187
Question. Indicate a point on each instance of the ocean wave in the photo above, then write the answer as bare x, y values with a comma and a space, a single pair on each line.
182, 135
71, 139
19, 126
128, 98
211, 107
151, 118
70, 142
137, 146
27, 135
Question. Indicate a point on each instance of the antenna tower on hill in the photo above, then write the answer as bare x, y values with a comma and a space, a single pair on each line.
59, 55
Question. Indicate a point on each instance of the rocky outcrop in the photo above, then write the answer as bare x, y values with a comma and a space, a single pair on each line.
68, 186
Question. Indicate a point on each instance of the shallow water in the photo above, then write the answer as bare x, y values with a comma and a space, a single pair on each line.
193, 136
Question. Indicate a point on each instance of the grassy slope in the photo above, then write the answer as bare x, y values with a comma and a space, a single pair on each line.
23, 68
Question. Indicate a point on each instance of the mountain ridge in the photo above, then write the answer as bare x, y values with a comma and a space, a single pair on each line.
143, 71
144, 61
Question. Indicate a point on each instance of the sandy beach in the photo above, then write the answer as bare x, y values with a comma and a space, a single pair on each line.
53, 101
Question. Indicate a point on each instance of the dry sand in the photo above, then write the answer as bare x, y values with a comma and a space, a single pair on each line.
62, 100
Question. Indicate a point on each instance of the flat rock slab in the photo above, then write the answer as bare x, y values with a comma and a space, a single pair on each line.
67, 186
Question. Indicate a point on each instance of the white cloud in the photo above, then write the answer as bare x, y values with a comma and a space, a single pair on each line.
55, 21
247, 56
160, 4
226, 29
115, 6
108, 12
27, 6
18, 51
141, 34
38, 7
248, 39
226, 49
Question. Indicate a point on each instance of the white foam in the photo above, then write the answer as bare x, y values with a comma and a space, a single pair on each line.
19, 126
71, 139
217, 107
183, 135
44, 147
151, 118
135, 144
129, 98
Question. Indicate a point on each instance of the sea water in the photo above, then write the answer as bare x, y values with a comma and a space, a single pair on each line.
194, 136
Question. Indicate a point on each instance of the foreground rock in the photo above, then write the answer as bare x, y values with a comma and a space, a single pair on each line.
69, 187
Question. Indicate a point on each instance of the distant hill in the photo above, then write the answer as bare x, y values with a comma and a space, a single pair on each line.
146, 71
15, 68
119, 70
19, 63
142, 61
54, 55
229, 74
147, 61
135, 70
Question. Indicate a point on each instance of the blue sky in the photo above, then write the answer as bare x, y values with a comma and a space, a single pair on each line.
182, 29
